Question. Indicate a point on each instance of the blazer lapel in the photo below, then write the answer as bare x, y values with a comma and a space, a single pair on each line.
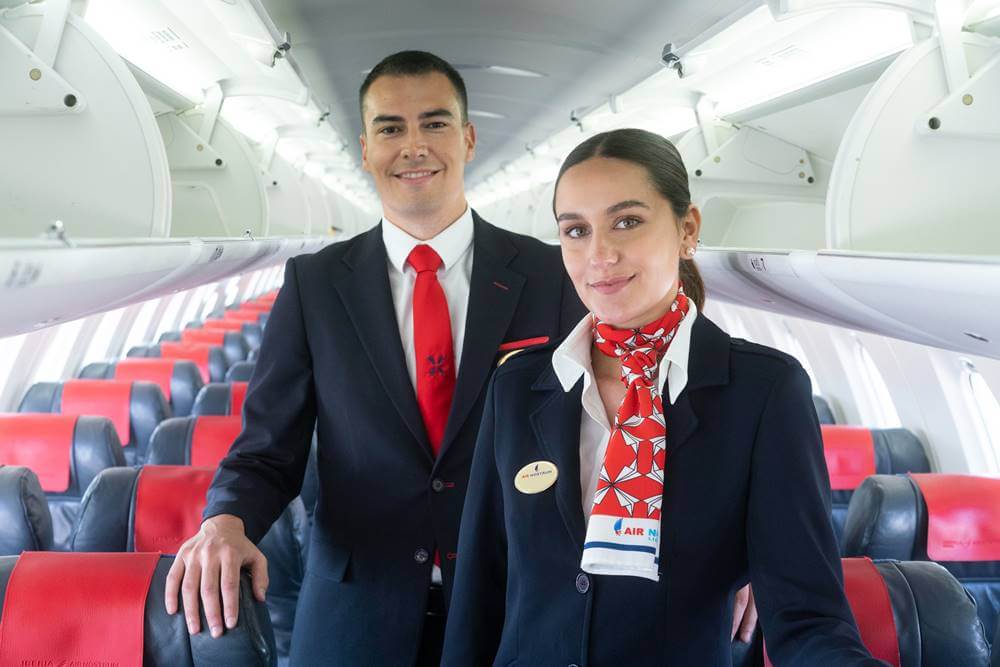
494, 290
557, 426
708, 362
368, 301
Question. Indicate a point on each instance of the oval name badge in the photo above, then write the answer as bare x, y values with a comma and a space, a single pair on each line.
536, 477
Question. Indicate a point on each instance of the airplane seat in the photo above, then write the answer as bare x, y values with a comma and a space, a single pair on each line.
178, 379
251, 330
66, 452
169, 337
914, 614
201, 441
995, 649
233, 344
220, 398
253, 316
853, 453
953, 520
25, 522
158, 507
65, 589
254, 353
210, 359
241, 372
135, 408
823, 410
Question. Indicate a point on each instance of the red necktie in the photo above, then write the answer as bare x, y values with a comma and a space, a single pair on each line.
432, 344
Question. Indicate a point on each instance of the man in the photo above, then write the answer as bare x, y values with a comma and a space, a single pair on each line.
362, 343
357, 344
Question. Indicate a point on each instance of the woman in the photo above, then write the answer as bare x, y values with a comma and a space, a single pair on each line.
589, 538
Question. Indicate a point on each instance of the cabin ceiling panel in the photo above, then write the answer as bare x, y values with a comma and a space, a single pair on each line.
586, 50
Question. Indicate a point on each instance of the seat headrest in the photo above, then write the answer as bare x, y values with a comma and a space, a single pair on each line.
850, 455
218, 398
241, 371
210, 359
242, 315
201, 441
158, 371
107, 398
210, 336
946, 518
212, 437
963, 516
882, 519
71, 591
25, 522
936, 619
255, 306
897, 450
42, 443
169, 501
823, 411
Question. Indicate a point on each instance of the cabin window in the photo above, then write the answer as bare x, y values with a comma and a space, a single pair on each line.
880, 404
139, 333
194, 305
252, 290
168, 322
100, 345
790, 344
10, 347
208, 305
232, 290
53, 365
986, 412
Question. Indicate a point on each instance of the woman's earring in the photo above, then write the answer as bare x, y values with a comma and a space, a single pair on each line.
690, 251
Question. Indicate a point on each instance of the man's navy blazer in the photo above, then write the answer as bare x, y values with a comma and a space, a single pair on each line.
746, 495
332, 357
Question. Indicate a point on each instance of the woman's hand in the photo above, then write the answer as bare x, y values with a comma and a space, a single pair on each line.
744, 614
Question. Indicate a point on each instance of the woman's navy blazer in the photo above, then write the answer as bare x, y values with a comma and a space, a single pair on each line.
746, 497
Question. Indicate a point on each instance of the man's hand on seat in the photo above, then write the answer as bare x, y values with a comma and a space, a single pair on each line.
744, 614
209, 562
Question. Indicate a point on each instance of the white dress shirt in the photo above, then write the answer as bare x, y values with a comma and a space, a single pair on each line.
454, 246
572, 359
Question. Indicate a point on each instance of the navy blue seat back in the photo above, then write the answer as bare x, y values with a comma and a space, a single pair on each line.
25, 522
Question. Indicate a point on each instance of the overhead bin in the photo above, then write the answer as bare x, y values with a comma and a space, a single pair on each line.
916, 170
77, 134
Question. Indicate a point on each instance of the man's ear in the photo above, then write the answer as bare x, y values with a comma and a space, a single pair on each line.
470, 141
364, 151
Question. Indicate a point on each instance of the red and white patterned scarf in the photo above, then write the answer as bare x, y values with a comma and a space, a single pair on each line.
623, 533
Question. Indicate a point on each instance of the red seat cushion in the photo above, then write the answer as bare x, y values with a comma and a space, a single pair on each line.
850, 455
76, 609
103, 398
168, 505
43, 443
159, 371
212, 438
199, 353
963, 516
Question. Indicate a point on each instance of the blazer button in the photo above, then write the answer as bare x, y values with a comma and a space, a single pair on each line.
437, 485
582, 583
421, 556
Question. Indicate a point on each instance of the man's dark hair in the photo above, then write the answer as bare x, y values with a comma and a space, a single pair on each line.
414, 63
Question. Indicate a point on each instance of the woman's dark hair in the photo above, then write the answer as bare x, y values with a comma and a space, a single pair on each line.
665, 168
